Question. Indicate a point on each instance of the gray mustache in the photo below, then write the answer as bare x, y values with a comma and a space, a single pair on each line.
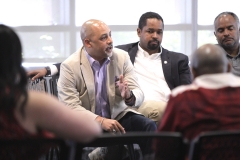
110, 46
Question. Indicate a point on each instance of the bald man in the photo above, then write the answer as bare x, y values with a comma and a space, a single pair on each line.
227, 33
100, 79
211, 102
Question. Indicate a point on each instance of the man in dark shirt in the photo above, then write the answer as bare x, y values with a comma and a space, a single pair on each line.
227, 30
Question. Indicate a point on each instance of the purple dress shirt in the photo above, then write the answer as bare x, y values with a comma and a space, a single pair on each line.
102, 105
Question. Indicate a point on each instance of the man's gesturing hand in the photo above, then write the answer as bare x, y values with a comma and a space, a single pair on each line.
123, 87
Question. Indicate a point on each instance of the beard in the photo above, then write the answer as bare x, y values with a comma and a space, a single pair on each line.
153, 46
230, 42
108, 50
109, 54
228, 46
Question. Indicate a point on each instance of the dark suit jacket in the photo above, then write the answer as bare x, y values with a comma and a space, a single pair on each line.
58, 66
176, 70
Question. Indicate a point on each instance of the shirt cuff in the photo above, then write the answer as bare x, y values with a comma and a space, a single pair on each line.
53, 69
132, 102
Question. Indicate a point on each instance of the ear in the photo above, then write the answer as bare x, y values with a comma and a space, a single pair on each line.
87, 43
215, 34
139, 32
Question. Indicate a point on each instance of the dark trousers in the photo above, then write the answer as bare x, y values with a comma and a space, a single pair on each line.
133, 122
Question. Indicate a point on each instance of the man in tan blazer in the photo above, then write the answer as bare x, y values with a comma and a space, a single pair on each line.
100, 79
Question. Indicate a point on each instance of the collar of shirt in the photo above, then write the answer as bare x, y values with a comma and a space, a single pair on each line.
216, 81
146, 54
228, 55
210, 81
92, 61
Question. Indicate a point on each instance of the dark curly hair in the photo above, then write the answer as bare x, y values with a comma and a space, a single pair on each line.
13, 79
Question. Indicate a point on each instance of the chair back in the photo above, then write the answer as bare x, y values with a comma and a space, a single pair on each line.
41, 148
46, 84
37, 85
171, 147
51, 84
216, 145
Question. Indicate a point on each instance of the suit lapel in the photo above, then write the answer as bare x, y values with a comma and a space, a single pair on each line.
133, 52
111, 82
166, 65
88, 78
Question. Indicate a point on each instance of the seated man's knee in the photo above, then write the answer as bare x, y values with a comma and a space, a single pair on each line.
151, 125
152, 109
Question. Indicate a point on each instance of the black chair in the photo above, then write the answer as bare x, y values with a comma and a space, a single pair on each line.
34, 149
51, 84
219, 145
37, 85
54, 85
106, 140
46, 84
171, 148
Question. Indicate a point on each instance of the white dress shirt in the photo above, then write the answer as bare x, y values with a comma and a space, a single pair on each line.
53, 69
150, 75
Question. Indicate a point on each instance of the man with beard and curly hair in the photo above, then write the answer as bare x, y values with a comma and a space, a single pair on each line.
227, 32
158, 70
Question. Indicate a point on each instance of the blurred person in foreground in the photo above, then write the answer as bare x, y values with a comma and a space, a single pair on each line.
210, 103
29, 114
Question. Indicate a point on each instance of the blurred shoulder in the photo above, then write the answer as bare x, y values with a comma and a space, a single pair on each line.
41, 99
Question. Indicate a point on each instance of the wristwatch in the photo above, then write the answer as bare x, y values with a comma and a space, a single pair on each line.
131, 95
48, 71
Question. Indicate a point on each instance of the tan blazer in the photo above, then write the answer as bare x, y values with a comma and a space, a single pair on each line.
76, 83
